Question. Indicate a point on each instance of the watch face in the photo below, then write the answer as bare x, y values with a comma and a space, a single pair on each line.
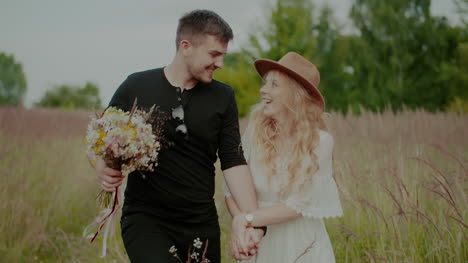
249, 217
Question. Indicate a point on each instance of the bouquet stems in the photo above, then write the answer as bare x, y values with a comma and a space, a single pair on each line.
106, 198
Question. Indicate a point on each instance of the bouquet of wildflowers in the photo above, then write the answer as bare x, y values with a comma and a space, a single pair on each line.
126, 141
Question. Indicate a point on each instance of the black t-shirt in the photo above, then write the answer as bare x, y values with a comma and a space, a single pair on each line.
182, 186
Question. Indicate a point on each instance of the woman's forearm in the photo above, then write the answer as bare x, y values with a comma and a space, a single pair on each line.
276, 214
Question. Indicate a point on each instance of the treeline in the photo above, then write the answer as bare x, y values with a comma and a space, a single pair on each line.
393, 55
13, 87
398, 56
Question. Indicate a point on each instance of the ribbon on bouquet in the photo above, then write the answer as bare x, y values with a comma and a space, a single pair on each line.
105, 216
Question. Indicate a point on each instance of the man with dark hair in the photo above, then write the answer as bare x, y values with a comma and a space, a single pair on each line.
174, 205
196, 24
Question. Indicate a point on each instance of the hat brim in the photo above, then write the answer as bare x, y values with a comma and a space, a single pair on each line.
264, 65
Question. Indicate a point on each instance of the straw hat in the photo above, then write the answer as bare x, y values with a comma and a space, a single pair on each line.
297, 67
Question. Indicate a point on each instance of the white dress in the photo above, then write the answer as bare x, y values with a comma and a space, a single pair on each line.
304, 239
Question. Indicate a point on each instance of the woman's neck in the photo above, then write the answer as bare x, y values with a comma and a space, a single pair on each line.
283, 128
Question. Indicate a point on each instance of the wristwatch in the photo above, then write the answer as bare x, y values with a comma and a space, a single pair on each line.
249, 218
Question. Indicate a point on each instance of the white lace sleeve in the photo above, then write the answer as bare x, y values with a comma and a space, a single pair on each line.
321, 199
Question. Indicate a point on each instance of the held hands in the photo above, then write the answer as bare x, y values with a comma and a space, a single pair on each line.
244, 240
110, 178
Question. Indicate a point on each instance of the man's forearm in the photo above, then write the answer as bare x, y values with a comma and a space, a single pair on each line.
240, 185
232, 206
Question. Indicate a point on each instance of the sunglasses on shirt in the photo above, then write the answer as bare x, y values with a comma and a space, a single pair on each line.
178, 114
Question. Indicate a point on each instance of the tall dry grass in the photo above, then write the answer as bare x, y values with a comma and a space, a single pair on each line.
402, 180
47, 188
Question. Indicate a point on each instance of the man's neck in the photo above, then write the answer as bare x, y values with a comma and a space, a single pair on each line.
178, 75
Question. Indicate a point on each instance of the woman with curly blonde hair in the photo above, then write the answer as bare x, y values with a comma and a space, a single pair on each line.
289, 152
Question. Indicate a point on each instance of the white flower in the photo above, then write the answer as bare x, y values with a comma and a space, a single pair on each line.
172, 250
112, 137
194, 255
197, 243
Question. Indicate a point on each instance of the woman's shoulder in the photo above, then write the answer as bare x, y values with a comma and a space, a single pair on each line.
325, 144
325, 137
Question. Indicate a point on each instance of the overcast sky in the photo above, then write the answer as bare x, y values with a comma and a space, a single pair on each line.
103, 41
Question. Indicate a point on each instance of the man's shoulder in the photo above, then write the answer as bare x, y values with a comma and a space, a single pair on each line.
221, 86
146, 74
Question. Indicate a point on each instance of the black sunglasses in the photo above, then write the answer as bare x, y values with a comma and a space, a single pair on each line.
178, 114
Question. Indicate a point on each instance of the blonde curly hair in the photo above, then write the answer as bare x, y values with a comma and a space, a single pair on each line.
303, 121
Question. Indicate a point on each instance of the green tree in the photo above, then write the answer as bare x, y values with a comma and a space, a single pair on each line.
399, 56
72, 97
329, 56
403, 55
241, 75
291, 25
12, 80
462, 8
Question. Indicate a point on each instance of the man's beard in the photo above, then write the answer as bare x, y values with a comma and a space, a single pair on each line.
201, 75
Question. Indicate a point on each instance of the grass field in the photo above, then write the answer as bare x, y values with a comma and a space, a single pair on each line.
402, 180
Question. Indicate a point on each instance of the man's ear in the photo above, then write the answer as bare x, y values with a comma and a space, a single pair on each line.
185, 46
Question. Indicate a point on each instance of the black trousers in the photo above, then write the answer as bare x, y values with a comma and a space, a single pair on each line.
148, 239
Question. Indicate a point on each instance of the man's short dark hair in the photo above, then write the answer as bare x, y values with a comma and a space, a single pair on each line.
198, 23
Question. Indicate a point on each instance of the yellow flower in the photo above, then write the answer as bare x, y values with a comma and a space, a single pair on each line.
102, 135
108, 112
